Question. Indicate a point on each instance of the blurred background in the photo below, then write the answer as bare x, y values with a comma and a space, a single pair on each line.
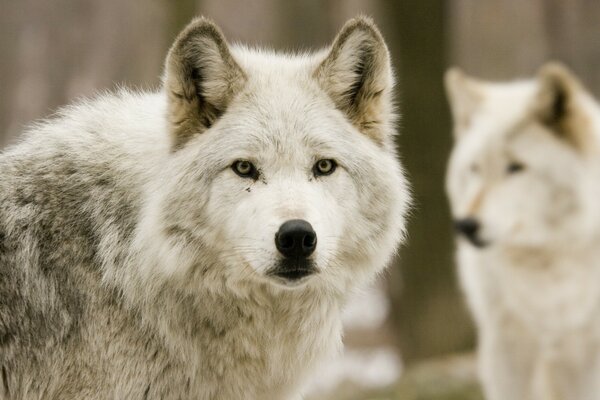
412, 328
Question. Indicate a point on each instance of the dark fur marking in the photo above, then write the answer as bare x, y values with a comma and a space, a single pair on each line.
146, 392
361, 69
178, 95
559, 106
6, 337
5, 381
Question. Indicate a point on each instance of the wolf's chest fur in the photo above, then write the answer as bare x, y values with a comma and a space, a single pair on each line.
547, 293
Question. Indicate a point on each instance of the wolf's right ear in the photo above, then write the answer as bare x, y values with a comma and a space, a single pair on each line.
201, 78
357, 75
464, 95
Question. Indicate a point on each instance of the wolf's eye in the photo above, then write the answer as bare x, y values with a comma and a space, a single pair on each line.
324, 167
514, 167
245, 169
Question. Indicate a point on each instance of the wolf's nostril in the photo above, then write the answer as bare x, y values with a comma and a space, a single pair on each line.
286, 241
296, 239
309, 241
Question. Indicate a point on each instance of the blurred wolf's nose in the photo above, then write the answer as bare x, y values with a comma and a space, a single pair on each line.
296, 238
467, 226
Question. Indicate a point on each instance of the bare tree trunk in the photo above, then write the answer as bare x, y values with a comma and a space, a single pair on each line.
428, 310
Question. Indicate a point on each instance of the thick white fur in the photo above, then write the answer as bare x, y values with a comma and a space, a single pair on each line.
192, 311
534, 290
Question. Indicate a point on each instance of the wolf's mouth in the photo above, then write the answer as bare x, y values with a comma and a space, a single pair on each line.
293, 270
478, 242
294, 274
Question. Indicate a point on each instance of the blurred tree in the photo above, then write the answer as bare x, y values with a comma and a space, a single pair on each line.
428, 309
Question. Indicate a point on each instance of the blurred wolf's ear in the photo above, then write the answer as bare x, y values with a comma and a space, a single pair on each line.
556, 104
357, 75
201, 77
464, 95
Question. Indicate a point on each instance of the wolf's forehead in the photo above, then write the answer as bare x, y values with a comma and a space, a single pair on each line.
284, 136
286, 111
284, 127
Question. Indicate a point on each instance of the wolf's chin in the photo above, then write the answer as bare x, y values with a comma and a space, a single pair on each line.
290, 284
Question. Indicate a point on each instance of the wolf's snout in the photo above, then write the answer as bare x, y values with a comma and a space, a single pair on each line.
296, 238
470, 228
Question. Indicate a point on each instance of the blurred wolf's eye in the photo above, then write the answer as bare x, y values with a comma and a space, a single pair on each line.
324, 167
245, 169
514, 167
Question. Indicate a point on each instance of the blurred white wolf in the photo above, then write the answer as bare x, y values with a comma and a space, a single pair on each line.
524, 185
199, 242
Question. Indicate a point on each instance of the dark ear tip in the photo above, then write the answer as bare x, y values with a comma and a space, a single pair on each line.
362, 23
199, 27
553, 67
202, 24
557, 74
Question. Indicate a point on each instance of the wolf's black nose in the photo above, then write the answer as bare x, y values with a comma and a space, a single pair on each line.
467, 226
296, 239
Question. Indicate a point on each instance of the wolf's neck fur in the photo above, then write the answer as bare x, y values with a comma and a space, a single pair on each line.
552, 290
285, 332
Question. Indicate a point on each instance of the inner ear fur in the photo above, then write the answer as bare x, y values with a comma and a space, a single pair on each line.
357, 76
556, 105
201, 78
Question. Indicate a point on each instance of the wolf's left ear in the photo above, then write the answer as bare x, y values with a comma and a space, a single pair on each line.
357, 75
556, 106
201, 79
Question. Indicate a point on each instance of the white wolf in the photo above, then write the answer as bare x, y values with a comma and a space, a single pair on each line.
198, 242
524, 185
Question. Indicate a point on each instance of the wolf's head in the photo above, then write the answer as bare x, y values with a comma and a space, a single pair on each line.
524, 170
283, 168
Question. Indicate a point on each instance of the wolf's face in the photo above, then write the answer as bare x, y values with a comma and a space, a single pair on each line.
292, 178
519, 173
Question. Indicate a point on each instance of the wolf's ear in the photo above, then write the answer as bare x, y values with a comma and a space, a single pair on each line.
357, 75
464, 95
555, 104
201, 78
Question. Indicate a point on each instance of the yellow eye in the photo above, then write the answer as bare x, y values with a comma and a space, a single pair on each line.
245, 169
324, 167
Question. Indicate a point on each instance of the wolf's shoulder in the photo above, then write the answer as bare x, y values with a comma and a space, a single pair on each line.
72, 183
110, 135
82, 165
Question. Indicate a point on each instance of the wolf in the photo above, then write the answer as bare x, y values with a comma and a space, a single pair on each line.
199, 242
524, 182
